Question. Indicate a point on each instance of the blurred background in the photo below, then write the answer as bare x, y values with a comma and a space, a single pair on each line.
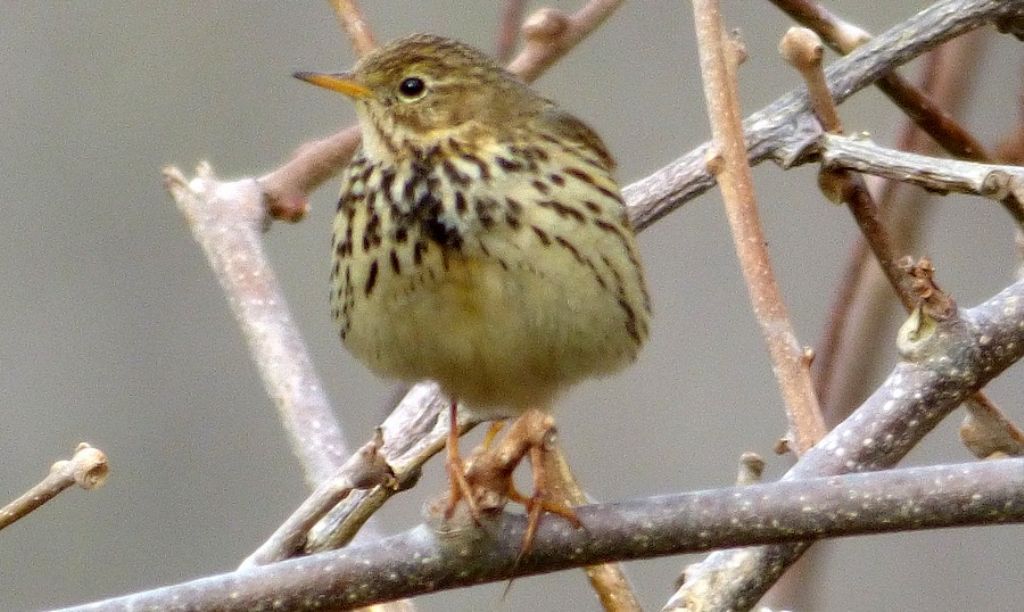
115, 332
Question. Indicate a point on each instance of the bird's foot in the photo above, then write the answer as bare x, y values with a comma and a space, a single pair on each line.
489, 475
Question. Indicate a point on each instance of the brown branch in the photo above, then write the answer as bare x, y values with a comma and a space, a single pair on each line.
608, 580
736, 182
422, 561
861, 292
508, 29
352, 22
549, 34
87, 468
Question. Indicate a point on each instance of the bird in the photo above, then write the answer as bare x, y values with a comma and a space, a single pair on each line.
480, 239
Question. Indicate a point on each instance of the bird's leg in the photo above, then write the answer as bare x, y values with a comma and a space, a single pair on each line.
458, 485
542, 499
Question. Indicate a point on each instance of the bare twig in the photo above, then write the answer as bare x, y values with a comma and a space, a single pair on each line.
549, 34
844, 37
414, 432
861, 293
352, 21
87, 468
287, 188
226, 219
987, 432
508, 29
608, 580
421, 561
934, 174
364, 469
735, 180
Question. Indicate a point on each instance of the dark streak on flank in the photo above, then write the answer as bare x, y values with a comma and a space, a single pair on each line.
454, 174
541, 186
371, 278
396, 265
508, 165
541, 235
562, 210
630, 320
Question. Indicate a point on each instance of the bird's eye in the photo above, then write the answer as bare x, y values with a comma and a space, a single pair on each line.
412, 88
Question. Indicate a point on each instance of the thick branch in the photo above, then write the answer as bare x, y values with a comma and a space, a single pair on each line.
226, 219
421, 561
942, 364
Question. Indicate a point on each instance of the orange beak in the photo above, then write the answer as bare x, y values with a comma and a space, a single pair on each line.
342, 82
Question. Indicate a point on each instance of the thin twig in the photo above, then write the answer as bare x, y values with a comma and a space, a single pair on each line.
861, 292
736, 182
987, 432
508, 29
352, 22
781, 130
421, 561
844, 37
87, 468
860, 154
549, 34
364, 469
608, 580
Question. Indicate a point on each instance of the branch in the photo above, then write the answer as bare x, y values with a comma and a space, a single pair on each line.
844, 37
508, 29
942, 363
352, 21
932, 173
226, 220
421, 561
549, 34
87, 468
781, 129
734, 177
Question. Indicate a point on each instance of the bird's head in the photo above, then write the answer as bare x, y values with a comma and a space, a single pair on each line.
421, 89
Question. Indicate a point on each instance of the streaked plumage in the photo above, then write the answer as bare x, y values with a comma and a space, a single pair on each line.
480, 239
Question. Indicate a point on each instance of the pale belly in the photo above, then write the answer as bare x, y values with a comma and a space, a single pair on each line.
501, 338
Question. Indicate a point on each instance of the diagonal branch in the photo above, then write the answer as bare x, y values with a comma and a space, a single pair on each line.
942, 364
735, 179
421, 561
87, 468
227, 220
781, 129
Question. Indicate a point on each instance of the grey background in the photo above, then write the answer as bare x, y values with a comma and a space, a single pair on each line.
114, 331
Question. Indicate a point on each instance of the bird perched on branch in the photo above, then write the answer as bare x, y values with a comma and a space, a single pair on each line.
480, 239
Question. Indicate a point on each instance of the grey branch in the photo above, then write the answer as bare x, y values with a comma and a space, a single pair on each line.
422, 561
932, 173
942, 364
783, 129
227, 219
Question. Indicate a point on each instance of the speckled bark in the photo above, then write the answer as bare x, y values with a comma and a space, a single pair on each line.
933, 379
420, 561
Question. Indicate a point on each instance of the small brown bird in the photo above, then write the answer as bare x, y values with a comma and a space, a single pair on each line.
480, 239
